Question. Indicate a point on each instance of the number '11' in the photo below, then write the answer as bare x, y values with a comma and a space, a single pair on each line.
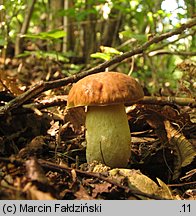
186, 208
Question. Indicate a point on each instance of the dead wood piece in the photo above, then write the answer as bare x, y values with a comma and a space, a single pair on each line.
168, 101
61, 168
44, 86
21, 99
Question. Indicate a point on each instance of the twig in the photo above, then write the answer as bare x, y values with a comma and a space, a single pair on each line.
61, 168
171, 42
21, 99
62, 100
182, 184
43, 104
168, 101
44, 86
58, 168
167, 52
57, 101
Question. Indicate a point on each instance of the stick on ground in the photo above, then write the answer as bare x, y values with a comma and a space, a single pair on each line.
44, 86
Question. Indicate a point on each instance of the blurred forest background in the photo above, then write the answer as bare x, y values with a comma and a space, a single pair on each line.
83, 33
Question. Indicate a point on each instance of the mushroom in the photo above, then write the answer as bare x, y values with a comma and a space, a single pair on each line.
107, 130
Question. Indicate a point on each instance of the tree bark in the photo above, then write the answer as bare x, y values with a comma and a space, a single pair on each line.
24, 28
3, 32
89, 29
111, 28
56, 22
69, 28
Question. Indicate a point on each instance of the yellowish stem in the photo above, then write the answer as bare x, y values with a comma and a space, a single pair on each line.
108, 136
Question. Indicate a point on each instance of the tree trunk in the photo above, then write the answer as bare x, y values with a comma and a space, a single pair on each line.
89, 30
3, 32
111, 28
69, 28
56, 22
24, 28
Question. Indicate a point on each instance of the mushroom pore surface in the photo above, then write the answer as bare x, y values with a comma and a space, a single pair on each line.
108, 136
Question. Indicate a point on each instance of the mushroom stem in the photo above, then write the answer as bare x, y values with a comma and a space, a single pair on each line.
108, 135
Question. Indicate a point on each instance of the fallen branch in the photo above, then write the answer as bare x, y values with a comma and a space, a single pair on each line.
23, 98
60, 168
168, 101
167, 52
173, 41
44, 86
62, 100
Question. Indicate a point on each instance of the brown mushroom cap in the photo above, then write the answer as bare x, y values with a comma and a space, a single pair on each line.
103, 89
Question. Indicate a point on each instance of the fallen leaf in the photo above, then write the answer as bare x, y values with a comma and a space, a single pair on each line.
35, 171
36, 146
9, 84
34, 194
54, 128
76, 116
82, 194
101, 188
183, 149
138, 181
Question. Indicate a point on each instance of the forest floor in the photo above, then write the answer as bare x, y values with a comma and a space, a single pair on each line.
42, 146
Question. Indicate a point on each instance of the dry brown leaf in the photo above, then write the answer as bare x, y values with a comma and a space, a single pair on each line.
155, 120
169, 112
164, 190
188, 66
54, 128
82, 194
74, 175
8, 83
35, 171
36, 145
183, 149
34, 194
76, 116
137, 181
101, 188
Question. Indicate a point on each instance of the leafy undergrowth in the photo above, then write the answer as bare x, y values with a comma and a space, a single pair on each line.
42, 148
